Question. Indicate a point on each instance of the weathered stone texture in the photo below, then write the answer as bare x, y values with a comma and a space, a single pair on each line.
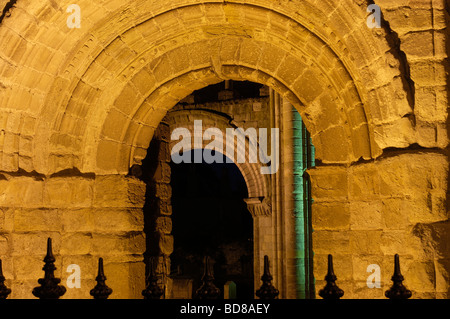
86, 219
393, 206
90, 100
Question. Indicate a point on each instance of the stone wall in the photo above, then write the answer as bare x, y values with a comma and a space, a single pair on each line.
89, 100
367, 213
87, 217
244, 113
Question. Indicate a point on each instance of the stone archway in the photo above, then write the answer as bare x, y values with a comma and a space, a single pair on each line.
158, 68
258, 185
80, 108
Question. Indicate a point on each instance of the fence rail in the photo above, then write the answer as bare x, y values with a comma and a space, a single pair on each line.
50, 287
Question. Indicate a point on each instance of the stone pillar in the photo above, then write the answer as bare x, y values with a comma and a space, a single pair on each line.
118, 232
276, 203
262, 235
158, 210
291, 255
282, 188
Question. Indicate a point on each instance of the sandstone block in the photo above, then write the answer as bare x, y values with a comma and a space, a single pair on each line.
395, 213
118, 244
77, 220
327, 242
30, 267
37, 220
105, 154
338, 150
115, 125
116, 191
330, 216
396, 242
328, 182
34, 243
4, 245
309, 86
365, 215
21, 289
22, 191
365, 242
342, 264
7, 219
364, 183
442, 267
420, 276
76, 244
164, 225
127, 99
115, 220
166, 244
64, 192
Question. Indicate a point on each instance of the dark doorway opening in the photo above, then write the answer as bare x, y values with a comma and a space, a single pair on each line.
210, 218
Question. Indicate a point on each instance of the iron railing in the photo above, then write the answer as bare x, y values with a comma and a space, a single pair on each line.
50, 287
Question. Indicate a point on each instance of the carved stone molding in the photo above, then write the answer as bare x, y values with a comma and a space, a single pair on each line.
259, 206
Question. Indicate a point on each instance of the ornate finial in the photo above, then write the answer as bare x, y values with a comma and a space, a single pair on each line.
153, 290
267, 290
101, 290
208, 290
398, 290
4, 291
49, 288
331, 290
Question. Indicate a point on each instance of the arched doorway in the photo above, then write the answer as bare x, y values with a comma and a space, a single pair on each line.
210, 218
264, 198
99, 94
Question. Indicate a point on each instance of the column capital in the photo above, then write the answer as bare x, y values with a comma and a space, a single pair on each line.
259, 206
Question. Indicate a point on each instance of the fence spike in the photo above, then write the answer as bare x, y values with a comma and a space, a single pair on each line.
398, 290
153, 290
267, 290
4, 291
101, 290
207, 290
49, 288
331, 290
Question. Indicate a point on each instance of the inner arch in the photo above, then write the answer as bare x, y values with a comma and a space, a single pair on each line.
210, 218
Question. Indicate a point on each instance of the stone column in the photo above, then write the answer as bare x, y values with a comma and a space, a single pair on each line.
262, 235
288, 226
158, 209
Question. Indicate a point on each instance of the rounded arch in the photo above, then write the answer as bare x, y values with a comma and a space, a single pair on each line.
134, 62
257, 183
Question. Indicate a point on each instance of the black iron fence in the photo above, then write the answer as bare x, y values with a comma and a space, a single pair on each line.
397, 291
50, 288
